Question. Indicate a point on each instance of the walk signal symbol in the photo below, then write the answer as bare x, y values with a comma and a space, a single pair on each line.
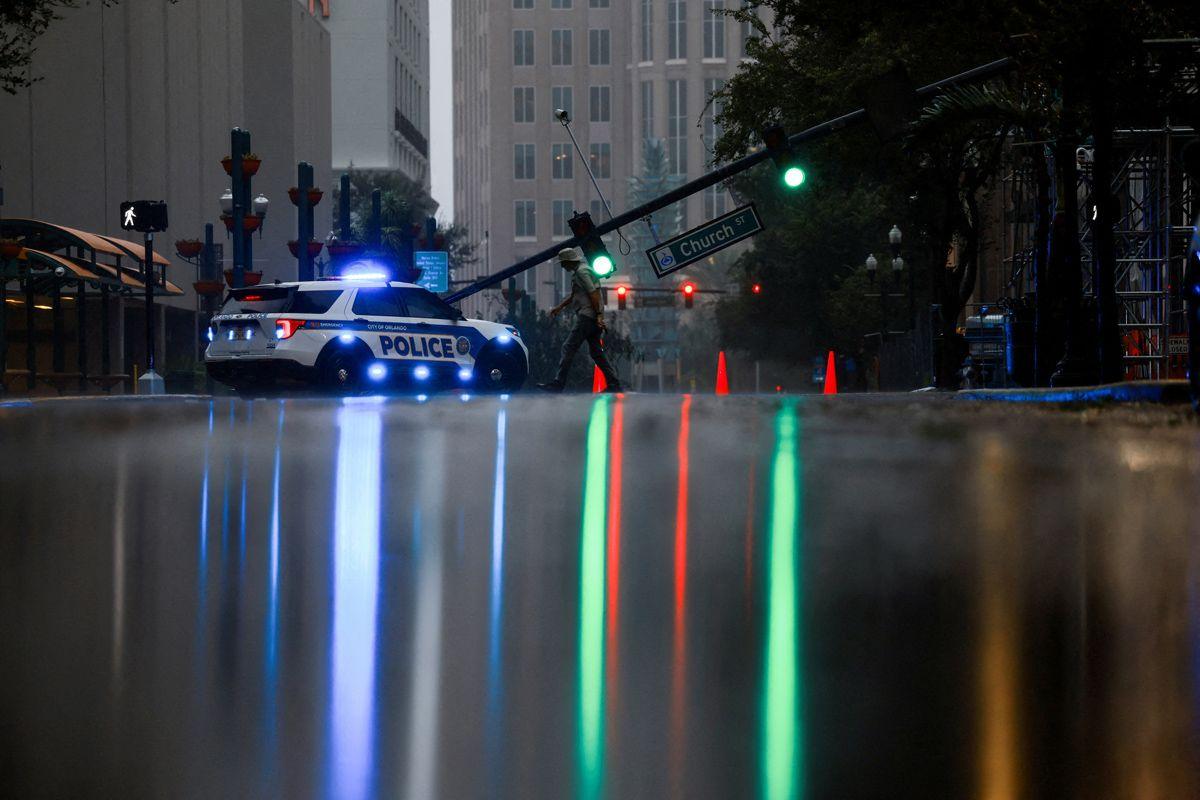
146, 216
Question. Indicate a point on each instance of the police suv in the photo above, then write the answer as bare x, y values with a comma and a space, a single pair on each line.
355, 335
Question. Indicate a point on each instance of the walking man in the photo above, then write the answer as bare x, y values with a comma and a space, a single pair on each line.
585, 299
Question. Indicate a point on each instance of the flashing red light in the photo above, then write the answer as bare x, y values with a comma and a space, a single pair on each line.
756, 288
250, 298
284, 328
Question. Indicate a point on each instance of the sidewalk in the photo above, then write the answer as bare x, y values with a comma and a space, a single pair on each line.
1165, 392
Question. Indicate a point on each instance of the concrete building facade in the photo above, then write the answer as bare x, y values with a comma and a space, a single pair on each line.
518, 178
136, 101
664, 60
381, 71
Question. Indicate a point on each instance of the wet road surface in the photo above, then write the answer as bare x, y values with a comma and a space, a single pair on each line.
659, 597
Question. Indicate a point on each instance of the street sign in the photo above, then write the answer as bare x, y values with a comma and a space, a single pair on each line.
435, 269
146, 216
700, 243
644, 300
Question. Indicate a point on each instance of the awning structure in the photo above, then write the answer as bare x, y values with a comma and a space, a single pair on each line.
84, 256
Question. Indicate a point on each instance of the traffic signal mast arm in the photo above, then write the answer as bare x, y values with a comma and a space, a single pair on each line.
717, 176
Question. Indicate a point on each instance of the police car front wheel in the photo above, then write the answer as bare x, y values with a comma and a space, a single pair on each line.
500, 372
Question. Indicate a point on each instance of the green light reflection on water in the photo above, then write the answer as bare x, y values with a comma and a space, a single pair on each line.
782, 713
591, 605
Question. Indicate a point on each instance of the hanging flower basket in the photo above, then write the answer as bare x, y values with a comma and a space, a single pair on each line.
248, 278
250, 223
344, 249
189, 248
250, 165
10, 248
314, 196
314, 248
209, 288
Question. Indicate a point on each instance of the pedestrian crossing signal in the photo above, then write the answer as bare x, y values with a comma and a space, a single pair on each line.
145, 216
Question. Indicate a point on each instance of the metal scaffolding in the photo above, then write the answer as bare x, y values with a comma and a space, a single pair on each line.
1155, 202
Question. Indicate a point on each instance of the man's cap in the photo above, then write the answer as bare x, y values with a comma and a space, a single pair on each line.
570, 255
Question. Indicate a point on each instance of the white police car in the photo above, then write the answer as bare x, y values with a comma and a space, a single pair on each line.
356, 335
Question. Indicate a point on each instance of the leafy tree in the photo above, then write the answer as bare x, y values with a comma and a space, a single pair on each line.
404, 205
934, 184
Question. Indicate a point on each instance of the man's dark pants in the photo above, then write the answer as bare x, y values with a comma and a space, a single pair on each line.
586, 330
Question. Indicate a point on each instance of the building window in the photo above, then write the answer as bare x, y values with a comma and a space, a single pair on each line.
600, 104
523, 105
564, 97
714, 201
599, 50
747, 33
647, 110
600, 156
597, 3
677, 127
647, 30
523, 162
562, 166
676, 29
562, 215
560, 3
598, 212
522, 48
522, 3
714, 28
560, 47
525, 222
712, 128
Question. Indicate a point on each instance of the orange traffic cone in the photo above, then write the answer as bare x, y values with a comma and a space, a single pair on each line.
598, 382
722, 374
831, 375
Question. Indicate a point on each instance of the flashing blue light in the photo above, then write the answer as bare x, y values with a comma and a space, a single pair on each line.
464, 397
504, 338
212, 334
377, 372
465, 374
232, 334
421, 372
249, 334
346, 338
421, 398
504, 397
365, 271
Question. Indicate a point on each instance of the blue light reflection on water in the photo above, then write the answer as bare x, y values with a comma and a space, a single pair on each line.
355, 593
495, 705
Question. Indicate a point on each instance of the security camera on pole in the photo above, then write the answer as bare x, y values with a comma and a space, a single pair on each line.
149, 217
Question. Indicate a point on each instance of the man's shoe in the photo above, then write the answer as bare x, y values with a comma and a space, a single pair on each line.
552, 386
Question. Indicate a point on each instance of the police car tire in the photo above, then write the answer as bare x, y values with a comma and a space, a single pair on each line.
512, 367
342, 371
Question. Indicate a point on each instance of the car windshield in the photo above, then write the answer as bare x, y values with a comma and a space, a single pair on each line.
278, 300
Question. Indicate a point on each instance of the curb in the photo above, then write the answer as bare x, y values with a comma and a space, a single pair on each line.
1161, 392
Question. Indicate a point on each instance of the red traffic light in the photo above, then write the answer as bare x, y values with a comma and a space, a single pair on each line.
622, 291
689, 294
756, 288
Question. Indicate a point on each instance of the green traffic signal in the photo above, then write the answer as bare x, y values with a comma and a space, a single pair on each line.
794, 177
603, 265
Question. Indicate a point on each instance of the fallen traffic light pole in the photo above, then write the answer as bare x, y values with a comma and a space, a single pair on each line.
717, 176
